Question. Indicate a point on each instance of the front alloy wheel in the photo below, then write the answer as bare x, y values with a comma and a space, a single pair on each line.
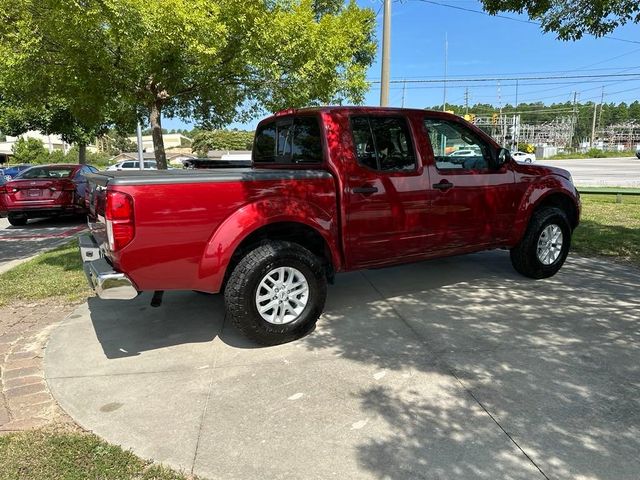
550, 244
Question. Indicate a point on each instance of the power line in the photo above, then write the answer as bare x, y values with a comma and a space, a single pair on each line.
503, 79
513, 19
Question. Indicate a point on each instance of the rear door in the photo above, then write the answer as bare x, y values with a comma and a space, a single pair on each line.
472, 202
386, 193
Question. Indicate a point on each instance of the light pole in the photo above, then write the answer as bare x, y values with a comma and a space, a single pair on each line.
386, 54
140, 152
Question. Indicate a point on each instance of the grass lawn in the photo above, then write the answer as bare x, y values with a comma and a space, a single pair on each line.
608, 228
49, 455
55, 274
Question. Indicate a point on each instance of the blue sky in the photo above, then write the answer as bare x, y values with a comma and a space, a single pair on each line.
485, 46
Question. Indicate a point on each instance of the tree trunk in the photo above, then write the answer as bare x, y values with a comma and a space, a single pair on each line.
155, 118
82, 153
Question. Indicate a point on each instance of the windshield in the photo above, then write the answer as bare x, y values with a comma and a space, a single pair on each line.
45, 172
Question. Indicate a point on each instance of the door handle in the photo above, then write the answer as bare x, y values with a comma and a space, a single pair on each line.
364, 190
443, 185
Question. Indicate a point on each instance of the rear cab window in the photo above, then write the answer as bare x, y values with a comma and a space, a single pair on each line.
290, 140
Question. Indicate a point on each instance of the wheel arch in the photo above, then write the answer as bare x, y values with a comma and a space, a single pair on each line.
310, 226
538, 198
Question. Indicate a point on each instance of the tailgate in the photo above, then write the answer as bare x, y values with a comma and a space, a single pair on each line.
95, 199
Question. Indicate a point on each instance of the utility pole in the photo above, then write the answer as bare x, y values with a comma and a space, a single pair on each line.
593, 125
446, 53
574, 120
386, 54
466, 100
601, 105
404, 91
516, 94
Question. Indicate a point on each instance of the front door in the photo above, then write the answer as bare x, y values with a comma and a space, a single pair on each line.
471, 200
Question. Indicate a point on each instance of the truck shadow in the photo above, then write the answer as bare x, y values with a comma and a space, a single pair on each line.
126, 329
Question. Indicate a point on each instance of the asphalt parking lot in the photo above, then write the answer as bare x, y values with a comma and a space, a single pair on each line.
20, 243
456, 368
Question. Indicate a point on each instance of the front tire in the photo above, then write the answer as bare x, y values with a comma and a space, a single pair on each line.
17, 220
276, 292
545, 245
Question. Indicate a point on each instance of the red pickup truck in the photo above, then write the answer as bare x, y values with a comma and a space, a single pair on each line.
331, 189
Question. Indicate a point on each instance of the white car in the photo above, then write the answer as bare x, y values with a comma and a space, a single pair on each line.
464, 153
133, 165
523, 157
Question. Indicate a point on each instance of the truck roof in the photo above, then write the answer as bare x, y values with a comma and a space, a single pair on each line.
353, 109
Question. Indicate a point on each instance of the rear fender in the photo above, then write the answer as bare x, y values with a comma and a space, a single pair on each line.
243, 222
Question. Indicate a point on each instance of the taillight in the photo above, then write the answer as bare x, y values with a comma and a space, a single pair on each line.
3, 189
119, 216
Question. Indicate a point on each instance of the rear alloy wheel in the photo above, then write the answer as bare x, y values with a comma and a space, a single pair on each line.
17, 220
545, 245
276, 292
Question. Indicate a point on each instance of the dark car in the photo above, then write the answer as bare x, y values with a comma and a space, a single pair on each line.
638, 153
44, 191
10, 172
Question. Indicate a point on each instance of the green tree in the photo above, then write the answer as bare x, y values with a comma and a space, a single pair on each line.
571, 19
204, 141
209, 61
30, 150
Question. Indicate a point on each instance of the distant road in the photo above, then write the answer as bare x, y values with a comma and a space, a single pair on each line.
601, 172
20, 243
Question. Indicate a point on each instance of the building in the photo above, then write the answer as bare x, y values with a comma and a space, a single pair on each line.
173, 158
171, 140
50, 142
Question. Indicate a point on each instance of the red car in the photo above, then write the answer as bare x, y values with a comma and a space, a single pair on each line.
331, 190
45, 191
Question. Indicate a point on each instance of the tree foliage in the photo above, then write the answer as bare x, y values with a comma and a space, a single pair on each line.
30, 150
205, 140
209, 61
571, 19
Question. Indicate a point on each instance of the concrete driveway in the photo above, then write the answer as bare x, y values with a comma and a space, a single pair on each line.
450, 369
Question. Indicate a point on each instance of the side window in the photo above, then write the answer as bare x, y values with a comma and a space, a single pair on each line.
307, 144
289, 140
92, 169
455, 146
129, 165
383, 143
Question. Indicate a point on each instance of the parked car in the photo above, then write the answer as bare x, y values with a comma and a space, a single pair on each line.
132, 165
638, 153
465, 153
45, 191
331, 190
524, 157
9, 172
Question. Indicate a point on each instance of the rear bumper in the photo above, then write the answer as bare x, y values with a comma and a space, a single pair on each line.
39, 212
108, 283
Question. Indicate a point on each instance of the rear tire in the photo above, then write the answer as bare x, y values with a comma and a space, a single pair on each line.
285, 275
545, 245
17, 220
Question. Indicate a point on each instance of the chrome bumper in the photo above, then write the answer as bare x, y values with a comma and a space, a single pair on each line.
105, 281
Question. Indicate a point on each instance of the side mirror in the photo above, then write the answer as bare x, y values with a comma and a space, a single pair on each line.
503, 157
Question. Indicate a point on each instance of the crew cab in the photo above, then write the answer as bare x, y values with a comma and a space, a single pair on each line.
45, 191
331, 190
